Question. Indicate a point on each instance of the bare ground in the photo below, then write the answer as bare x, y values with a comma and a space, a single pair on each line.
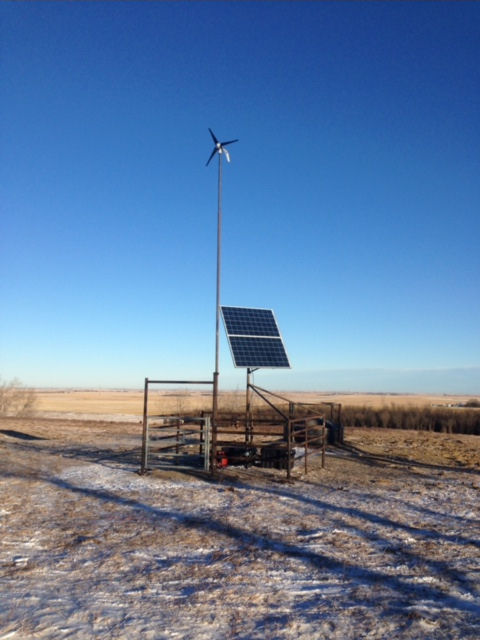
383, 542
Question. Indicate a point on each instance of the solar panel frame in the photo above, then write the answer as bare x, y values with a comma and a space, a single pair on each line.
254, 338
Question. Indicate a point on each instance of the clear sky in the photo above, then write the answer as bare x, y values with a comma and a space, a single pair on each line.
351, 205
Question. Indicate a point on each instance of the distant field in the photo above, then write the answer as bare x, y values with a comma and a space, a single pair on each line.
180, 400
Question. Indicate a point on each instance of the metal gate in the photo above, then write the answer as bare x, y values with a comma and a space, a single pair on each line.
180, 440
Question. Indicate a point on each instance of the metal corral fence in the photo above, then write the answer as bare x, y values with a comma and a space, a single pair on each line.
180, 438
262, 441
311, 431
270, 444
176, 439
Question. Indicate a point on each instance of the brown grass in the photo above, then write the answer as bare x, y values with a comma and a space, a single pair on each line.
181, 400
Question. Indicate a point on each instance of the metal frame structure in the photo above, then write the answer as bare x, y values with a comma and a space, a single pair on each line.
187, 431
267, 442
294, 428
260, 441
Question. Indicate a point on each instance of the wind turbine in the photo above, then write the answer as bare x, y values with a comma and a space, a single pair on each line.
220, 149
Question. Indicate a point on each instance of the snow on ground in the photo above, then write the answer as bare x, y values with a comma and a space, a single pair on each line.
363, 549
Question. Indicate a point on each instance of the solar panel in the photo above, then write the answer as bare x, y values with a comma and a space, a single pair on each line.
254, 338
240, 321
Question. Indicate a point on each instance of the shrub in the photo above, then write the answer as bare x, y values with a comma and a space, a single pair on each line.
473, 404
16, 400
449, 420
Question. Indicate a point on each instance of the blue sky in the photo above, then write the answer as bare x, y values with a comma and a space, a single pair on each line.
351, 205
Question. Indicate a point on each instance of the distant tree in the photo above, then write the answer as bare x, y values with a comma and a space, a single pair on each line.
15, 399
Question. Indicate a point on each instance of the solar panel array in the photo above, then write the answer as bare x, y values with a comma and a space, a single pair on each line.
254, 338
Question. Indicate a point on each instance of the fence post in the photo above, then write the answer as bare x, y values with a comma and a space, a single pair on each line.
324, 434
145, 429
289, 448
306, 446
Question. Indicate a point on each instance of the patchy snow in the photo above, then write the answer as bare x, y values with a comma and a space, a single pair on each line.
358, 550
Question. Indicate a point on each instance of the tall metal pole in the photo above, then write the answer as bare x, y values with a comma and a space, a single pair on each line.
213, 451
219, 263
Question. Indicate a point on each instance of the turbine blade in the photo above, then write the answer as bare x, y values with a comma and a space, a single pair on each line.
228, 142
211, 156
213, 136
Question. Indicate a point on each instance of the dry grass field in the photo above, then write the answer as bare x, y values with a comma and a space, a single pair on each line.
130, 402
